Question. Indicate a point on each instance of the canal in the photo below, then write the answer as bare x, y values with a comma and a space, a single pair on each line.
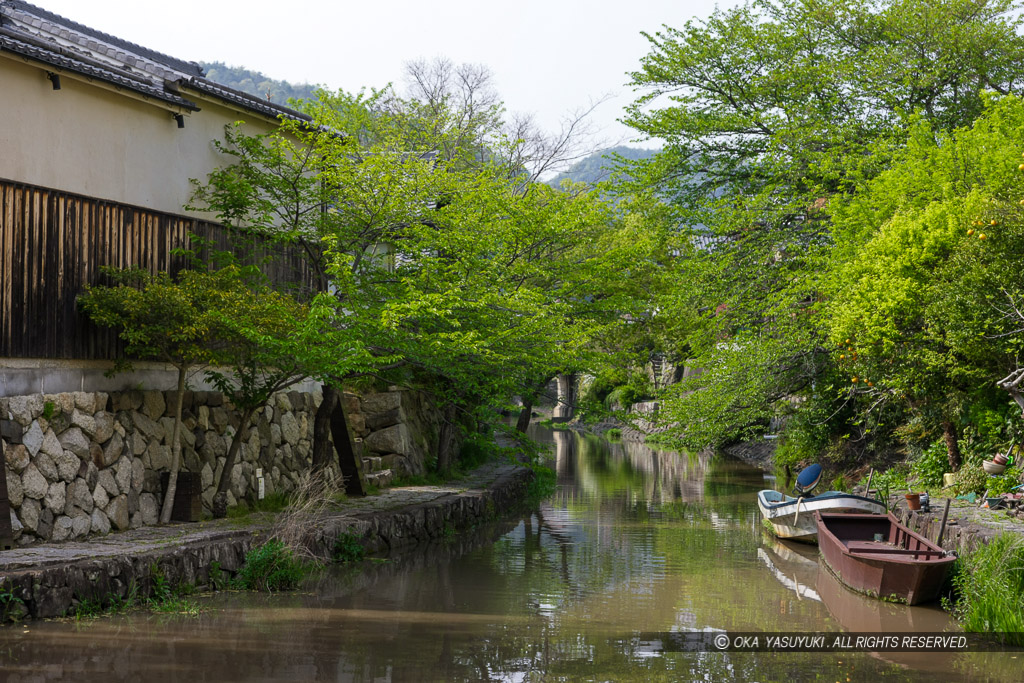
635, 542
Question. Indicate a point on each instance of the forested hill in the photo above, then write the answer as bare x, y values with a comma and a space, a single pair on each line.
598, 165
255, 83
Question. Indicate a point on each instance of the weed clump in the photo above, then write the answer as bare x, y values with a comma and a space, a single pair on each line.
271, 567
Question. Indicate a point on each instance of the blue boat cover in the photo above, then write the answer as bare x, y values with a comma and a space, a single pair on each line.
808, 478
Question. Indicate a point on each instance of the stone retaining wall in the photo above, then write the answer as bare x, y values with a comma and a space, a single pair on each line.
88, 463
57, 588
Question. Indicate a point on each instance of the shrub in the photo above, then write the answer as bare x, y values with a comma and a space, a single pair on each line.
348, 548
933, 463
271, 567
970, 479
989, 588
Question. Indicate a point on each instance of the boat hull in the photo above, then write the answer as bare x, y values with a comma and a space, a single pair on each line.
793, 518
902, 567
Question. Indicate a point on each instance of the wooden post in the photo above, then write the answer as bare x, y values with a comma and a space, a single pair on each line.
942, 527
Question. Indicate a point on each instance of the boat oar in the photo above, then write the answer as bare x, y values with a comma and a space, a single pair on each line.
797, 513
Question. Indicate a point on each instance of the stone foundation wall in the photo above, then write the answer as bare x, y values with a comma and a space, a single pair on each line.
88, 463
53, 589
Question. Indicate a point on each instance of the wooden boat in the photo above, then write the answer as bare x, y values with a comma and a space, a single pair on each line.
878, 556
793, 517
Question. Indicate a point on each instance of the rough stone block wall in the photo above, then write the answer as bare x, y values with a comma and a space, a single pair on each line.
89, 463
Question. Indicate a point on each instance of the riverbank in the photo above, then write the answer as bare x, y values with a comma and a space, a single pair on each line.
51, 579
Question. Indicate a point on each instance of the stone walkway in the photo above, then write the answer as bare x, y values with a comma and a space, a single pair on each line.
146, 539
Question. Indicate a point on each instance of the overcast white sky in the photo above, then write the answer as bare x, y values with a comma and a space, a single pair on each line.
549, 57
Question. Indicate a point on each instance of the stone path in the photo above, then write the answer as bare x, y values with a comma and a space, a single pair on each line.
146, 539
981, 521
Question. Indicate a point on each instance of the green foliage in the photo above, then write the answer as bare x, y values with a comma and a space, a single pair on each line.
219, 579
777, 116
970, 479
167, 598
1003, 483
989, 589
348, 548
542, 486
270, 567
613, 433
928, 469
840, 483
446, 269
11, 605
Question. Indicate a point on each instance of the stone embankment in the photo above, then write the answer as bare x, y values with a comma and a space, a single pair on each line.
50, 580
82, 464
967, 527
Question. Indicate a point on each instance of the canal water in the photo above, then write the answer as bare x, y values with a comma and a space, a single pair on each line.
635, 545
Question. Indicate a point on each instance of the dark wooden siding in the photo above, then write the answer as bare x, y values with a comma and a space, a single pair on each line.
54, 243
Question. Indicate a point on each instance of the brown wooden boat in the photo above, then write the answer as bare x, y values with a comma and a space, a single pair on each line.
878, 556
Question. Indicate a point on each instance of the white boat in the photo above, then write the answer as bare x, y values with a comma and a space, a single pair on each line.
793, 517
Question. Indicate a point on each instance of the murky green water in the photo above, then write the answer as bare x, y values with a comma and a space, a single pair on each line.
634, 541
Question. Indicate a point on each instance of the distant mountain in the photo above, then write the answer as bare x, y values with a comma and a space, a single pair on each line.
255, 83
598, 166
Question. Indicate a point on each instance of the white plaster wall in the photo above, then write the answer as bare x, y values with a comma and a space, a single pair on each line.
91, 140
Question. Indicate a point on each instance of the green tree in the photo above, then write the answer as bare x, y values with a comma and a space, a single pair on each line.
165, 319
768, 111
449, 268
923, 299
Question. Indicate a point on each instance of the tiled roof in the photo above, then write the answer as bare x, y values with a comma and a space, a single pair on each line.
11, 41
42, 36
243, 99
113, 46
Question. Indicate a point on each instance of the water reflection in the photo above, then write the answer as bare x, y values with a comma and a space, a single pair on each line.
634, 541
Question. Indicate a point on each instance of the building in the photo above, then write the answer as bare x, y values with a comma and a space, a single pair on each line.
99, 138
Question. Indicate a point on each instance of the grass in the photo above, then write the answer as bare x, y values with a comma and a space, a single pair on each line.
988, 586
542, 485
164, 598
272, 567
348, 548
275, 502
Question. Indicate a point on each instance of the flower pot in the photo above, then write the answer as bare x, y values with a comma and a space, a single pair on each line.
913, 501
947, 479
999, 459
992, 468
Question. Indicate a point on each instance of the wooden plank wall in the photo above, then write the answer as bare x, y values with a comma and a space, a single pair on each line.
53, 243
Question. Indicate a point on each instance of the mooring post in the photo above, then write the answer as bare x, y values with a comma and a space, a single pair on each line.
942, 527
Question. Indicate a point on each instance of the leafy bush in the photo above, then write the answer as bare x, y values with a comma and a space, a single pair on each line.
989, 588
348, 548
271, 567
1003, 483
970, 479
931, 465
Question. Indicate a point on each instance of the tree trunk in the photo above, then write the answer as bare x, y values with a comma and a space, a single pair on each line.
445, 439
346, 451
172, 478
524, 416
322, 428
952, 448
229, 462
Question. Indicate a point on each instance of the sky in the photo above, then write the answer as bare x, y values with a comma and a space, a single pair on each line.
549, 58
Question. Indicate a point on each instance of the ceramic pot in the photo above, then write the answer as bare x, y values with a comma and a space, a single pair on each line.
913, 501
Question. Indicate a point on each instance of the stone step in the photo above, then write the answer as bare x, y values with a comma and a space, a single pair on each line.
379, 479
